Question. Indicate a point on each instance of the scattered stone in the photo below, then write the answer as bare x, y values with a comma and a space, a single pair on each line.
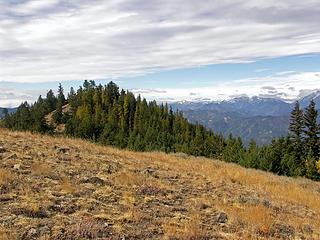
150, 190
42, 213
111, 169
149, 171
2, 149
27, 157
16, 167
7, 197
12, 156
252, 200
26, 147
30, 234
31, 213
266, 203
222, 217
25, 171
307, 229
94, 180
282, 231
65, 158
43, 230
64, 206
62, 149
203, 206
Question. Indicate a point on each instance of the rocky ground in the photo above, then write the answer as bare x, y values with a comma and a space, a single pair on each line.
58, 188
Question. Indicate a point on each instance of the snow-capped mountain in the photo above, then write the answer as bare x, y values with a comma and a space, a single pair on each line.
250, 118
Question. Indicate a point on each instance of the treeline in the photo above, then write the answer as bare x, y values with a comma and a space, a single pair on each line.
297, 154
110, 116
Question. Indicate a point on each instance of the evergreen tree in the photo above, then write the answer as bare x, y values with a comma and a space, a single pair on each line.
293, 161
311, 130
296, 126
251, 158
311, 166
51, 101
61, 98
58, 114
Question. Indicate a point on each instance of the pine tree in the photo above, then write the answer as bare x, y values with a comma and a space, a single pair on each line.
311, 166
61, 98
294, 160
296, 125
51, 101
251, 158
311, 130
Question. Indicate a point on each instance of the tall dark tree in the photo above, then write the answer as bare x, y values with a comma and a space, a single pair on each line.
61, 98
311, 130
296, 124
51, 101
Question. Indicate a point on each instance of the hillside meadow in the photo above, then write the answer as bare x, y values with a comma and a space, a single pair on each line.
63, 188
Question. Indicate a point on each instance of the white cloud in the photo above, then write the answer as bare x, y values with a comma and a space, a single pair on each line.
11, 97
50, 40
33, 6
288, 87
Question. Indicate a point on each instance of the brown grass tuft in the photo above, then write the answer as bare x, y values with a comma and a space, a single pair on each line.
67, 186
6, 180
41, 169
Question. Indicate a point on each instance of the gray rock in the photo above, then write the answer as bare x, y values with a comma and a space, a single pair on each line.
28, 157
282, 231
94, 180
222, 217
63, 149
7, 197
16, 167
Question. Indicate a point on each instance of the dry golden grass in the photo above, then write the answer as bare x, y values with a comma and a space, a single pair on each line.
258, 218
41, 169
190, 229
6, 235
150, 195
129, 179
5, 176
6, 179
67, 186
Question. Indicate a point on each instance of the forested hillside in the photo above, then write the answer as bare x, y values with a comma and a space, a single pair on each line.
258, 118
260, 128
110, 116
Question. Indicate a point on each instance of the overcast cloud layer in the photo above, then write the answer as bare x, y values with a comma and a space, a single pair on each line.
56, 40
60, 40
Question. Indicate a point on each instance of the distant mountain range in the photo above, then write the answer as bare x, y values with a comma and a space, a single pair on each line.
255, 118
10, 110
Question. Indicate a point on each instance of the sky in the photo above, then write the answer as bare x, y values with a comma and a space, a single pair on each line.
168, 50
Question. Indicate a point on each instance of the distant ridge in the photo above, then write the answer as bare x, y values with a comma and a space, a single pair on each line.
255, 117
10, 110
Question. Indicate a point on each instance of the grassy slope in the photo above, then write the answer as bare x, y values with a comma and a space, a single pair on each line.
58, 188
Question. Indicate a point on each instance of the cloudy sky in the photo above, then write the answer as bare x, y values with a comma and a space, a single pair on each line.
163, 49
